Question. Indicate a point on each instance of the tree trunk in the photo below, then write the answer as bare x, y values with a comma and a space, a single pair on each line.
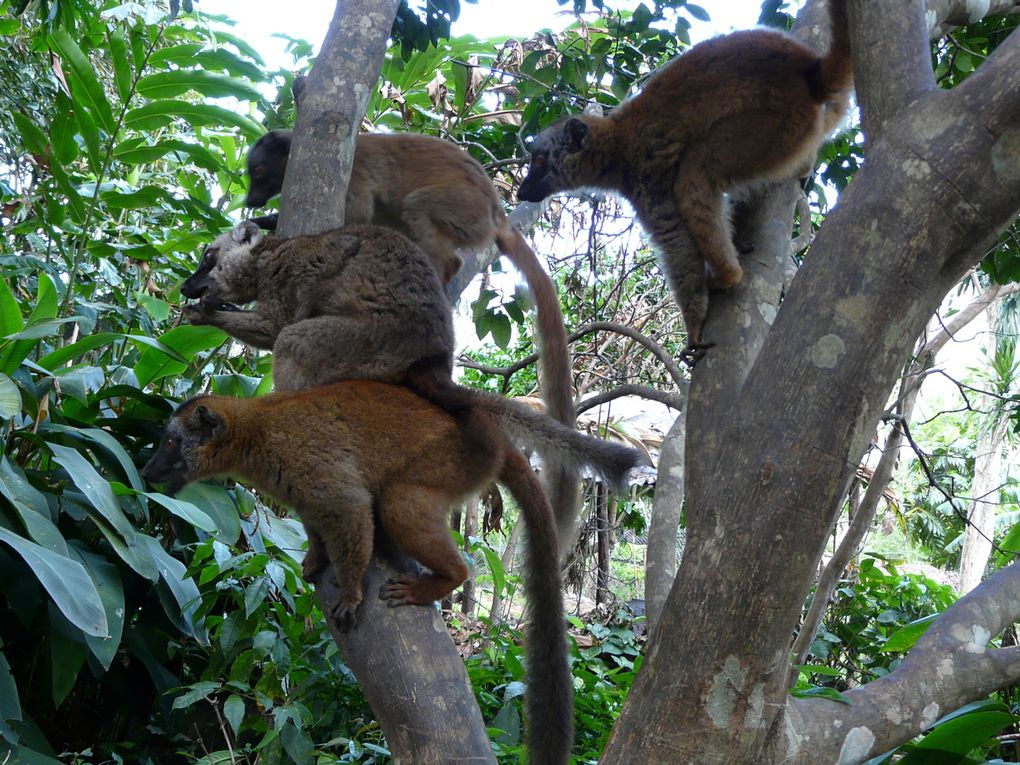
773, 446
403, 657
602, 545
667, 507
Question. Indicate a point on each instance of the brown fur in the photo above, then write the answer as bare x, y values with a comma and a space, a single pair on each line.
361, 301
738, 110
343, 454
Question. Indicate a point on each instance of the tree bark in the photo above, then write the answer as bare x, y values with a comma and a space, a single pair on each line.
667, 508
772, 449
404, 657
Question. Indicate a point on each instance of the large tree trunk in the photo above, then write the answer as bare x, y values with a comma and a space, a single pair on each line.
403, 658
773, 445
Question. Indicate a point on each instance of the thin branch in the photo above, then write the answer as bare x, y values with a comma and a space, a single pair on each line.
596, 326
663, 397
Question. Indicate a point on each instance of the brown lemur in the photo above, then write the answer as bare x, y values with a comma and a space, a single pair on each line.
345, 454
441, 198
735, 111
356, 302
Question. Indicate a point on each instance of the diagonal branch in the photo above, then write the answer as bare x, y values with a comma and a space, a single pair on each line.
952, 664
663, 397
945, 15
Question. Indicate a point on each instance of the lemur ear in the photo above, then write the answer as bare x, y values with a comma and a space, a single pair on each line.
577, 134
207, 422
246, 232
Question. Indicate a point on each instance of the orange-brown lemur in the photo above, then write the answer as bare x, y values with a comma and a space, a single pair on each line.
345, 454
738, 110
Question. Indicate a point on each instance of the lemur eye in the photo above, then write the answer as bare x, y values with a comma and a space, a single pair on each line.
170, 443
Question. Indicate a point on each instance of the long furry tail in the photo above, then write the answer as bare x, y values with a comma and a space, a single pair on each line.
549, 699
561, 481
556, 443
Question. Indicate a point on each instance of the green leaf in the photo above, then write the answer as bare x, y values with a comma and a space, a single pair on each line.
90, 134
66, 659
255, 593
697, 12
198, 691
108, 583
10, 397
177, 82
137, 151
66, 581
159, 114
82, 73
185, 510
105, 440
501, 329
62, 355
495, 568
44, 328
10, 312
62, 140
31, 506
233, 710
95, 488
9, 27
10, 705
957, 736
35, 139
904, 638
121, 63
175, 54
187, 340
217, 503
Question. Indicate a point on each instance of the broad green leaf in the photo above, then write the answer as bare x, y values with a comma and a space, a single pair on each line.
187, 340
495, 568
10, 397
108, 583
66, 581
140, 199
31, 506
121, 63
184, 591
197, 692
177, 82
35, 139
957, 737
74, 205
95, 488
81, 71
105, 440
89, 131
216, 503
222, 59
45, 308
233, 710
40, 329
10, 704
62, 355
62, 138
66, 660
185, 510
175, 54
255, 593
137, 151
159, 114
9, 27
904, 638
10, 313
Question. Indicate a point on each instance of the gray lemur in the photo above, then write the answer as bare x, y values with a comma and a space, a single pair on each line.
356, 302
440, 197
735, 111
356, 453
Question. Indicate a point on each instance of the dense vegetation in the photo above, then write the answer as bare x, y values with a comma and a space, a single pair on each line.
139, 628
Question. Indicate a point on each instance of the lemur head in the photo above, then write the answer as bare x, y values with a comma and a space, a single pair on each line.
267, 163
557, 159
224, 273
190, 443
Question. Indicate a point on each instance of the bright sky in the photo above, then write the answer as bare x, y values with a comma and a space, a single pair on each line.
258, 20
